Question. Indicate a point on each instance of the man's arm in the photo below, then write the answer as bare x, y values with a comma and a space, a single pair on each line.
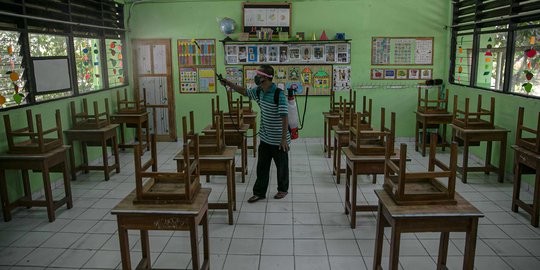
239, 89
284, 130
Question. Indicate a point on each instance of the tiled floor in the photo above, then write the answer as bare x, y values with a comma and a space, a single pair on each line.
306, 230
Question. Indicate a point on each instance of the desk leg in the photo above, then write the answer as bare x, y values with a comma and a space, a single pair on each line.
26, 185
67, 186
502, 159
470, 245
347, 190
4, 196
488, 166
244, 159
122, 137
517, 185
416, 135
194, 235
353, 197
233, 175
230, 201
148, 135
139, 137
206, 242
124, 246
105, 158
324, 135
115, 152
338, 164
49, 199
443, 251
536, 196
85, 156
443, 140
424, 136
145, 249
329, 140
72, 160
465, 160
394, 247
379, 239
334, 158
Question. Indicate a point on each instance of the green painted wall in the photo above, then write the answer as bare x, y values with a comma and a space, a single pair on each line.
47, 111
360, 20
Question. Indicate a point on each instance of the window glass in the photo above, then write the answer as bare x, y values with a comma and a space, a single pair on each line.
88, 63
491, 60
525, 79
115, 63
43, 45
12, 83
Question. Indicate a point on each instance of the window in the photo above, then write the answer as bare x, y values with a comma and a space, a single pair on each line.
12, 83
88, 64
494, 45
525, 68
491, 60
115, 62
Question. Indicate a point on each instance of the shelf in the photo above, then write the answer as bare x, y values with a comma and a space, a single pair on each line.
284, 42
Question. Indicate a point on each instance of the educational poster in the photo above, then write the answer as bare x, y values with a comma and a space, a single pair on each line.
231, 54
402, 51
342, 78
273, 54
343, 53
196, 52
252, 54
188, 80
294, 54
401, 74
318, 53
276, 16
426, 74
317, 78
207, 80
262, 54
414, 74
389, 74
330, 53
235, 75
242, 54
377, 74
305, 52
283, 54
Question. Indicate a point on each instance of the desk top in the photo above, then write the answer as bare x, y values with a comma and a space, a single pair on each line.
446, 114
243, 129
85, 131
462, 209
526, 151
126, 206
228, 154
129, 114
487, 130
34, 156
350, 155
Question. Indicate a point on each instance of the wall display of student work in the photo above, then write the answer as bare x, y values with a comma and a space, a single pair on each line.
197, 65
402, 51
287, 53
401, 73
318, 78
276, 16
235, 75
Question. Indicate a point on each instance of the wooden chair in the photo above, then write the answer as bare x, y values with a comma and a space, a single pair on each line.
364, 116
334, 103
234, 119
347, 111
364, 141
432, 106
37, 142
245, 105
473, 120
168, 187
530, 143
209, 144
85, 120
124, 106
420, 188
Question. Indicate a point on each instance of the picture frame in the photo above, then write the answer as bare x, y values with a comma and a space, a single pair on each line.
263, 56
318, 54
330, 53
305, 53
294, 54
401, 74
276, 16
389, 74
273, 54
414, 74
426, 74
283, 54
377, 74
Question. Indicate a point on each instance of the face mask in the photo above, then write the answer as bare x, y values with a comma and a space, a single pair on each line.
258, 80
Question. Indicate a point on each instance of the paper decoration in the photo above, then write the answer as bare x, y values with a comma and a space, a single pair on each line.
342, 78
235, 75
294, 74
306, 76
323, 36
389, 74
401, 74
321, 79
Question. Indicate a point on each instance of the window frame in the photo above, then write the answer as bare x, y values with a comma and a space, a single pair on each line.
70, 31
513, 27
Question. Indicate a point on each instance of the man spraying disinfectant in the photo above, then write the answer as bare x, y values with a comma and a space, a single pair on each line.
274, 132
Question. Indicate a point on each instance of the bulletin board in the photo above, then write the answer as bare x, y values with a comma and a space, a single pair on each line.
318, 78
402, 51
197, 65
276, 16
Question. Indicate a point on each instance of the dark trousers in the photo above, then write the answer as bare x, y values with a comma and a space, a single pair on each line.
267, 152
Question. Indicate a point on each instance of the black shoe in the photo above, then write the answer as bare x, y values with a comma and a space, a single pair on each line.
280, 195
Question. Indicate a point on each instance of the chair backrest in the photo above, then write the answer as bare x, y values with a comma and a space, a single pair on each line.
29, 140
474, 119
432, 191
86, 120
347, 110
214, 143
365, 141
364, 115
437, 105
531, 143
125, 106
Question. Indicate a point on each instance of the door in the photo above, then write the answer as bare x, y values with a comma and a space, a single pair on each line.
153, 74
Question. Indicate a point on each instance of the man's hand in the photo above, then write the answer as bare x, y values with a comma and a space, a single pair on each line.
284, 145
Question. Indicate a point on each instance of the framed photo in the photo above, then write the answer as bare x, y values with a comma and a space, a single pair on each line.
276, 16
401, 74
330, 53
389, 74
414, 74
305, 53
252, 53
343, 53
426, 74
263, 56
273, 54
283, 54
242, 54
294, 54
318, 53
377, 74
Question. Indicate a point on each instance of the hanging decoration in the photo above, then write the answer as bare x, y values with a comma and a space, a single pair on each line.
460, 51
13, 76
488, 55
530, 53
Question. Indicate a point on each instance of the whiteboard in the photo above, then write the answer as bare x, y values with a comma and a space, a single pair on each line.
51, 74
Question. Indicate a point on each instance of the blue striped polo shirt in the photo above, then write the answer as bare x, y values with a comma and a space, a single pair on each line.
271, 124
